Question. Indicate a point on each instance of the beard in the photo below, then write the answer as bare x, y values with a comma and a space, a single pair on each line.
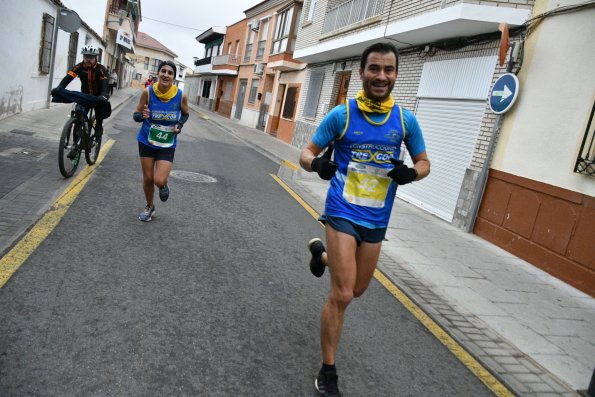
369, 91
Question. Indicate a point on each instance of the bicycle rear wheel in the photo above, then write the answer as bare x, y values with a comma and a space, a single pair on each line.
93, 144
69, 152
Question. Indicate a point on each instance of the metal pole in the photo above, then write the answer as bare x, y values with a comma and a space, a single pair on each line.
483, 177
53, 57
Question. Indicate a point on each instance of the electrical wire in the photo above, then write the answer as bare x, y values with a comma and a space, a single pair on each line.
173, 24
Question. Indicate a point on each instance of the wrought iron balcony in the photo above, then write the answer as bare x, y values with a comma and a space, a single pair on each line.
350, 12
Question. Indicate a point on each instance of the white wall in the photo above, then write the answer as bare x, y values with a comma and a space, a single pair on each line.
23, 87
541, 135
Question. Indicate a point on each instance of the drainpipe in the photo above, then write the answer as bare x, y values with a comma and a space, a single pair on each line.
483, 177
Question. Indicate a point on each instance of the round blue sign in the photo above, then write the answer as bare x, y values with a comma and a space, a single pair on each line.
504, 93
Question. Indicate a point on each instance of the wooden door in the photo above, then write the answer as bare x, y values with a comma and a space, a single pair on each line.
343, 87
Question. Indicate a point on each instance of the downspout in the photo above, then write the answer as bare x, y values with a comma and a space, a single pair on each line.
483, 176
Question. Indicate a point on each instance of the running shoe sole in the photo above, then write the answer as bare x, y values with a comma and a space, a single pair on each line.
316, 248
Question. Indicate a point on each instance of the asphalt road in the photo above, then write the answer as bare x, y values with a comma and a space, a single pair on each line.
211, 298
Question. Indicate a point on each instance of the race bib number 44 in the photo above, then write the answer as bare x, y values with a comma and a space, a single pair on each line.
161, 135
366, 185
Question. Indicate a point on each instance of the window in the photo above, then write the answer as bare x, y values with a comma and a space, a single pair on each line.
585, 163
314, 88
138, 76
253, 90
146, 63
264, 30
282, 31
290, 99
311, 10
155, 65
227, 93
248, 53
72, 47
47, 34
87, 39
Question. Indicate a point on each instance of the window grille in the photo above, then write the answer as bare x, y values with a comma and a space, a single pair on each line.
314, 89
47, 35
585, 161
72, 47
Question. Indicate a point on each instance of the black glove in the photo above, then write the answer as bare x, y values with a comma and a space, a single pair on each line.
102, 98
401, 173
324, 166
55, 91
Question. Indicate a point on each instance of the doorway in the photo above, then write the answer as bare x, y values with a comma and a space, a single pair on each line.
240, 100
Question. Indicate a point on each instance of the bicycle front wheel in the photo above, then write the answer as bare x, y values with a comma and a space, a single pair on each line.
93, 144
69, 152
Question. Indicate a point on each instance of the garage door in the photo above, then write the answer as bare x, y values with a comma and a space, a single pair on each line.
450, 128
451, 102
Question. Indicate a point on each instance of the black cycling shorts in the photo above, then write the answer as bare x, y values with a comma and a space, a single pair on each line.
166, 154
360, 233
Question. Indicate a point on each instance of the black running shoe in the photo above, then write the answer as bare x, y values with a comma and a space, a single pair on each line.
316, 264
326, 384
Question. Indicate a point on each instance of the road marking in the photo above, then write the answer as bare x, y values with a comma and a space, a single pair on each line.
11, 262
456, 349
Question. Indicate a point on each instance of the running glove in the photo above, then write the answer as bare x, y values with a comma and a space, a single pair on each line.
401, 173
324, 166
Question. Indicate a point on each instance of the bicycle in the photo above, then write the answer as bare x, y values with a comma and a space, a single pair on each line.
78, 134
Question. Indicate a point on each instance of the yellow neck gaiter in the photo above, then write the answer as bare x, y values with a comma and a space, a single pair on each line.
165, 96
370, 106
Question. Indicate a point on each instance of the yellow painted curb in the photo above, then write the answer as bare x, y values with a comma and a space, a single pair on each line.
11, 262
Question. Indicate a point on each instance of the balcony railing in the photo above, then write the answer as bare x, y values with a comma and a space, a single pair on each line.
585, 163
350, 12
226, 59
204, 61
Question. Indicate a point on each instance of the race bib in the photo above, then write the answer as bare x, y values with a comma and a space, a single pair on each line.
161, 135
366, 185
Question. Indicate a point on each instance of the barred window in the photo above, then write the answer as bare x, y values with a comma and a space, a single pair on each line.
72, 47
585, 162
47, 35
253, 90
314, 89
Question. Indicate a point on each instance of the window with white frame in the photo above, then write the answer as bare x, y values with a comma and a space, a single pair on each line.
311, 9
248, 53
253, 90
47, 35
282, 31
264, 30
314, 89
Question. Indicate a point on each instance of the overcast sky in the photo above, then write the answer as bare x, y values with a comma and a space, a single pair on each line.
199, 15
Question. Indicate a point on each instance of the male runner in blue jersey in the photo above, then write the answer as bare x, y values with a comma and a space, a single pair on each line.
366, 133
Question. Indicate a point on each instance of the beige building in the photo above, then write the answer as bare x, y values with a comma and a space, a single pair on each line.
149, 52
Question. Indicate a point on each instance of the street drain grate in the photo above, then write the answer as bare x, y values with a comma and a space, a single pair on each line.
192, 176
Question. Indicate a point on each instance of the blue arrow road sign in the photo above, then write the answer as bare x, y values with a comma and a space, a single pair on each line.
504, 93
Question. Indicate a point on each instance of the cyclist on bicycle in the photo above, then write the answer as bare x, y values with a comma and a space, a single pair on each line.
94, 81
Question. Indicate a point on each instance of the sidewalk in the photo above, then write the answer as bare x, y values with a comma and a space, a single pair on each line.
531, 330
29, 155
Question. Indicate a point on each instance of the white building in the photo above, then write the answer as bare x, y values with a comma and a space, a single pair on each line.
26, 65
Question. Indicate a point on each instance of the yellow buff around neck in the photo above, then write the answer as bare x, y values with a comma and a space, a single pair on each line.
370, 106
167, 95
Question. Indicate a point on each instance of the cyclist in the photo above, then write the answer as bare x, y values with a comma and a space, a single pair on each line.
94, 82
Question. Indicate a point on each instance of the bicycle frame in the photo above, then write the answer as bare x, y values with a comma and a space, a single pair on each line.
83, 116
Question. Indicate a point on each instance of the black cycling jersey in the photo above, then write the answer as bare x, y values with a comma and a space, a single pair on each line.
93, 80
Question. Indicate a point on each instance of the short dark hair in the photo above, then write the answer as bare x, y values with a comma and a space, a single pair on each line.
382, 48
168, 63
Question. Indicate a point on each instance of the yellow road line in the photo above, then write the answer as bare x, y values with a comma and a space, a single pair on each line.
459, 352
10, 262
291, 165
